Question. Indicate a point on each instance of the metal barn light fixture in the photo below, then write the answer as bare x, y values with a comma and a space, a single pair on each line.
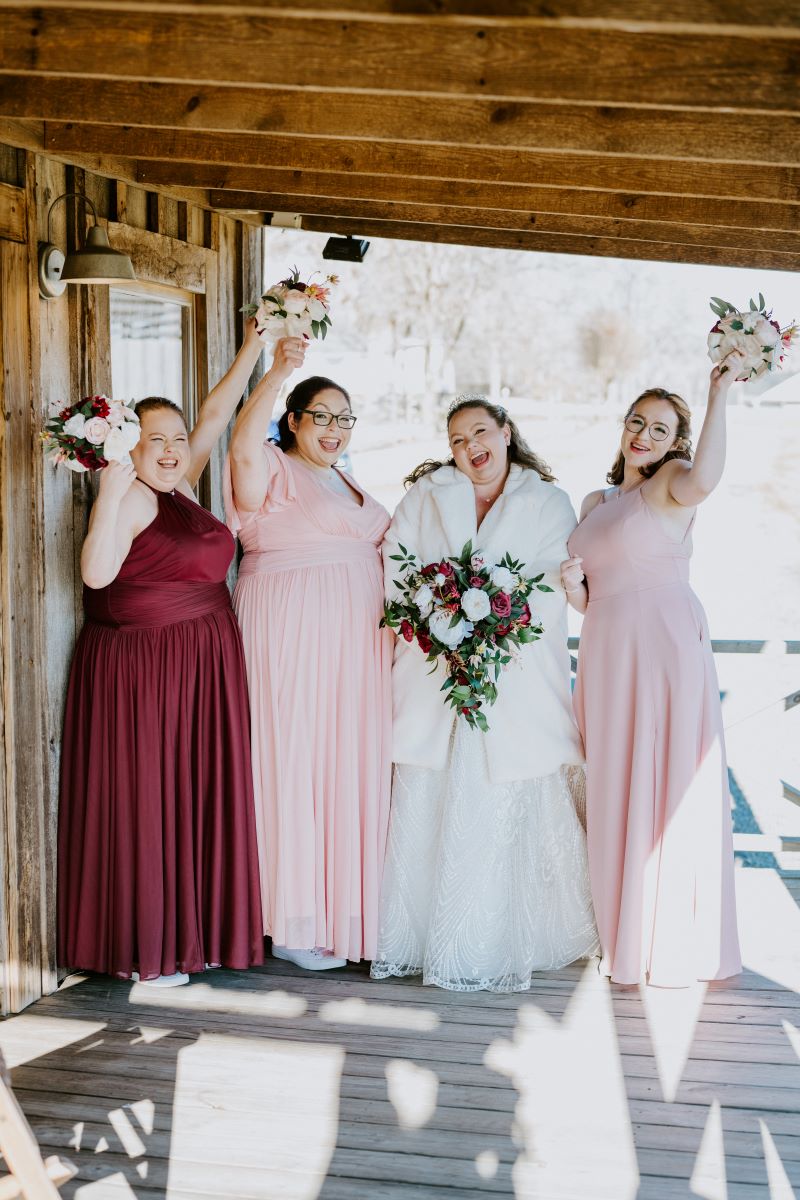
95, 263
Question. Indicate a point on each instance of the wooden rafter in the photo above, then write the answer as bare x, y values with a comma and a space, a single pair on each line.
608, 127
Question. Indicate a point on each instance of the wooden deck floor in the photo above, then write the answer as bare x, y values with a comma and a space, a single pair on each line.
277, 1084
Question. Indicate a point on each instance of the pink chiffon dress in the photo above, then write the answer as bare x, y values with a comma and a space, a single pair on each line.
658, 805
309, 599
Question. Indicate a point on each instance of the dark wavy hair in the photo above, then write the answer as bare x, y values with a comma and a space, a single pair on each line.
154, 403
300, 397
683, 438
518, 449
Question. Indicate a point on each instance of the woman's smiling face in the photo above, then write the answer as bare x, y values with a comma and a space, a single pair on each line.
321, 445
161, 456
657, 430
479, 445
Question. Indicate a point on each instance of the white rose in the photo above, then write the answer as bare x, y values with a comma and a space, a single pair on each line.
440, 627
272, 328
502, 578
73, 465
128, 413
74, 427
481, 561
130, 434
116, 414
265, 312
476, 604
423, 598
766, 333
96, 430
295, 302
295, 326
316, 309
114, 448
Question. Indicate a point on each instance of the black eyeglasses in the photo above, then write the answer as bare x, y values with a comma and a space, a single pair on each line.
343, 420
658, 432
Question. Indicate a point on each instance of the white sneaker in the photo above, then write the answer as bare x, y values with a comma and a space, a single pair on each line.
309, 960
162, 981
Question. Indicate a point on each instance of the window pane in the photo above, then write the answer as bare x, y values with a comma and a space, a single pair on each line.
147, 351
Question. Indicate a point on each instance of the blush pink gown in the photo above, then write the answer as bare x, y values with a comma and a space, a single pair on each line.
309, 601
658, 806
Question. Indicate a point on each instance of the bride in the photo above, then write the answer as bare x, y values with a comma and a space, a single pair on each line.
486, 875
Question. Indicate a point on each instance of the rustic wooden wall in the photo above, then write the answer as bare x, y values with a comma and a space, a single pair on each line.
55, 351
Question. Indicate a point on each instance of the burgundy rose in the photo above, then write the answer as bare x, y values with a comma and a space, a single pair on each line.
525, 616
430, 569
407, 630
501, 604
424, 642
100, 407
445, 568
476, 581
502, 630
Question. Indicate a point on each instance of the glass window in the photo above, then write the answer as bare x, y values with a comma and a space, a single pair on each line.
151, 348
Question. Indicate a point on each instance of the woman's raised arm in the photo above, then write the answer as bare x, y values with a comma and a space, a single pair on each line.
220, 404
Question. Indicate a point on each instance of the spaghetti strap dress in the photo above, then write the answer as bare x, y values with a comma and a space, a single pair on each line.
157, 860
659, 824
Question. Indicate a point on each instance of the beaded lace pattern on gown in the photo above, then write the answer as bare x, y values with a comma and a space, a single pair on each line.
483, 883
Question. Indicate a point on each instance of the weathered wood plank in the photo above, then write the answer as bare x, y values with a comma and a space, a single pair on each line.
488, 164
244, 187
519, 124
643, 65
480, 218
557, 243
12, 213
158, 258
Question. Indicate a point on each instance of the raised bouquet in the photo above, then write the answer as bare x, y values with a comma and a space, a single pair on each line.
471, 612
291, 308
92, 433
753, 333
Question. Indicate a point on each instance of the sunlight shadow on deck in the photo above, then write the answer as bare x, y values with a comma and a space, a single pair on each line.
571, 1089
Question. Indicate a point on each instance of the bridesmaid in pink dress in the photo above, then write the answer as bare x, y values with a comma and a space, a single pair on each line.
647, 704
309, 600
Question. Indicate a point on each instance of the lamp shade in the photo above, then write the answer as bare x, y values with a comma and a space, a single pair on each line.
97, 262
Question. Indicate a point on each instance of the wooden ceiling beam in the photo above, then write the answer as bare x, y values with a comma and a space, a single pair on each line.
526, 125
501, 219
246, 185
651, 65
554, 169
553, 243
742, 15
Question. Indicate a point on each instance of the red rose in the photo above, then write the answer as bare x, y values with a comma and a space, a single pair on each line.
445, 568
100, 407
476, 581
525, 616
424, 642
430, 569
407, 630
502, 630
501, 605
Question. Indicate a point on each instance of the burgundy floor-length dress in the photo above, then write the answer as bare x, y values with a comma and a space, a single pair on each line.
158, 868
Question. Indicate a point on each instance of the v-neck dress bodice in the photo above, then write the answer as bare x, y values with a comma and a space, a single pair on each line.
309, 601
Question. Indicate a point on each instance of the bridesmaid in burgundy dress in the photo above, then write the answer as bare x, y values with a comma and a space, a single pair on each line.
158, 869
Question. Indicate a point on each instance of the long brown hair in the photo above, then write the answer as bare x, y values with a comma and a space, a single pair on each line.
518, 449
683, 438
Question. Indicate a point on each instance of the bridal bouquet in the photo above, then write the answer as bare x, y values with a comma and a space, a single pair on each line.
92, 433
753, 333
470, 612
292, 308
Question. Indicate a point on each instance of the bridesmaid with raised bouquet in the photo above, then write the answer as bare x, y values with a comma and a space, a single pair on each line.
647, 702
157, 870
